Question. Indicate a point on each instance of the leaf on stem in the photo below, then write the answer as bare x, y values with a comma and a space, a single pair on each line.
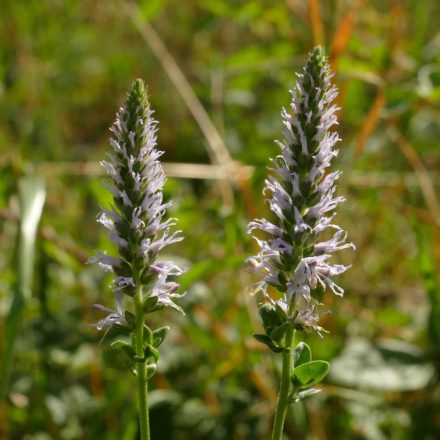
150, 304
130, 318
125, 347
159, 336
264, 339
309, 374
302, 354
151, 369
151, 353
295, 397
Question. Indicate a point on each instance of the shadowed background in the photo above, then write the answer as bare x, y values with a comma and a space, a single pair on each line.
218, 73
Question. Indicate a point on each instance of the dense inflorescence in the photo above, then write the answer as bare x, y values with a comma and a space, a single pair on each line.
136, 218
302, 197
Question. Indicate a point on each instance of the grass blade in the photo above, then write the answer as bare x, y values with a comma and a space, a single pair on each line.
32, 196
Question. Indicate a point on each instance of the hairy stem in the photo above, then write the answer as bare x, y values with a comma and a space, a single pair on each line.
282, 403
141, 367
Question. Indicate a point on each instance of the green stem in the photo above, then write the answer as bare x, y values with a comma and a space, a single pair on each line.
280, 414
141, 367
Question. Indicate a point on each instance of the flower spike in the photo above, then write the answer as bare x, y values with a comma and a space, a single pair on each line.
292, 258
302, 196
137, 226
136, 221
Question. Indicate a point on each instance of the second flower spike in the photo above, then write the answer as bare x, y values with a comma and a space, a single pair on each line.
302, 197
137, 226
136, 221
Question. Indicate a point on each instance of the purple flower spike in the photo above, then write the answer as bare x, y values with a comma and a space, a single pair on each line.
135, 221
302, 196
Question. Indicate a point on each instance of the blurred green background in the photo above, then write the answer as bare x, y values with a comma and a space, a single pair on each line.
219, 72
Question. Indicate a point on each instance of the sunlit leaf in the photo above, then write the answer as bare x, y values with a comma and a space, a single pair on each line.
302, 354
32, 195
309, 374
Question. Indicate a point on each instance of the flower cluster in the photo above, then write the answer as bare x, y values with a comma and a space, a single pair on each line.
136, 218
302, 197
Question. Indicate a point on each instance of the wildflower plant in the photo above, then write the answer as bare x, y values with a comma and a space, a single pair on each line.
292, 259
137, 227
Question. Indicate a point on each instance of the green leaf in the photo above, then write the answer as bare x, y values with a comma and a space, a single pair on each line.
150, 304
264, 339
281, 313
131, 319
309, 374
302, 354
32, 195
278, 332
296, 397
269, 317
151, 353
148, 336
151, 369
274, 322
159, 336
125, 347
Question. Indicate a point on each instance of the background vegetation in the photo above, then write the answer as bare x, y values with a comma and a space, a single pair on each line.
219, 72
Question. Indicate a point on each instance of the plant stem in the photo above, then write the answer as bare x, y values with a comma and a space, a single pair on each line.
141, 367
280, 414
